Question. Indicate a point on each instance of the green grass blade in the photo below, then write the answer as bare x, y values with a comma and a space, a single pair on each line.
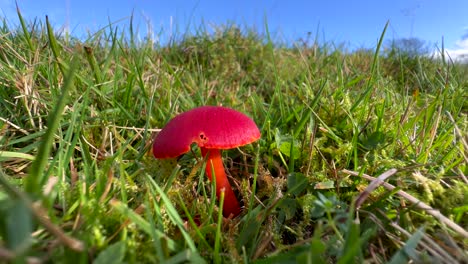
306, 117
186, 256
54, 46
407, 253
142, 223
5, 155
370, 81
254, 185
193, 224
352, 246
317, 247
27, 36
115, 253
217, 257
173, 214
37, 175
158, 245
94, 65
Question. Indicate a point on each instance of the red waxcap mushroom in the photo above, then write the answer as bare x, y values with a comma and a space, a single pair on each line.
213, 128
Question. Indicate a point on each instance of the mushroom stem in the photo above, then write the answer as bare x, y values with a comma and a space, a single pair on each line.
214, 163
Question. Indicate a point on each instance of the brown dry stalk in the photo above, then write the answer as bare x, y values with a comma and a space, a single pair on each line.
14, 125
427, 243
41, 216
6, 254
110, 179
421, 205
372, 186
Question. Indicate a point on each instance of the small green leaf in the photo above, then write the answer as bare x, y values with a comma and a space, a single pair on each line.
283, 144
186, 256
325, 185
374, 140
19, 226
285, 148
297, 183
288, 206
115, 253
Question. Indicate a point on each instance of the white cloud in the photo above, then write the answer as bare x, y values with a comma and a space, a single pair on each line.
460, 53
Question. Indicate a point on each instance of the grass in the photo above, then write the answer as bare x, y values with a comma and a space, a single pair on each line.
363, 155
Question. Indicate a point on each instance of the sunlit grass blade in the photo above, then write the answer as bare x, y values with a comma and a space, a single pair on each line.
172, 213
370, 80
170, 180
217, 244
142, 223
25, 28
306, 116
4, 155
254, 185
193, 224
55, 48
158, 243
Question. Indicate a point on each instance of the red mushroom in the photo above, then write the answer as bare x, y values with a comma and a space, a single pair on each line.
213, 128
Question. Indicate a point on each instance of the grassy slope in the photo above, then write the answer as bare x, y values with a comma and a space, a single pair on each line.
77, 119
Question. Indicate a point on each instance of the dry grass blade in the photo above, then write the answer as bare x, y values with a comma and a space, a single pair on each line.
265, 242
427, 243
442, 218
110, 177
14, 126
372, 186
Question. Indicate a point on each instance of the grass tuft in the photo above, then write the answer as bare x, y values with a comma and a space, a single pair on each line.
78, 182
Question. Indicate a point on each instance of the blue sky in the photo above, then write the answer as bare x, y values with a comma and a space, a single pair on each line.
357, 23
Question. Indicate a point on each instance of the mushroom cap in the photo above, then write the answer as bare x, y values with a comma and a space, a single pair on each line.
211, 127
